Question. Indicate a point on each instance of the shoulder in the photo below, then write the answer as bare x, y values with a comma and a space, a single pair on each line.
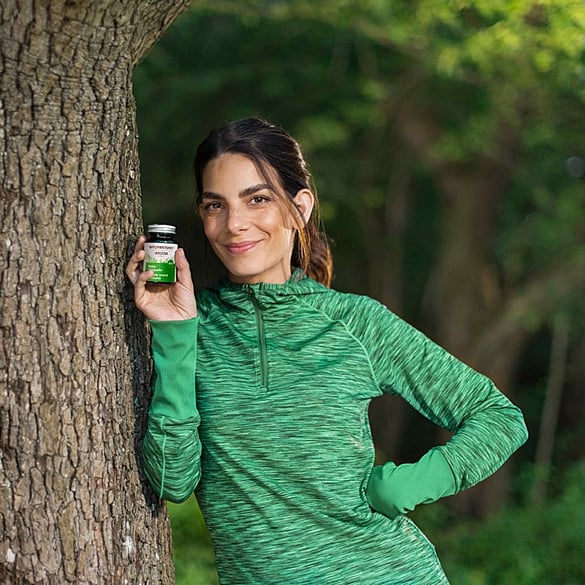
355, 310
206, 299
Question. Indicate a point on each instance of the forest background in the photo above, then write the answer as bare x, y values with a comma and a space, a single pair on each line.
446, 142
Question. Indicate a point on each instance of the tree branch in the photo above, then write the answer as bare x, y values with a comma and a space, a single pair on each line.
152, 19
529, 307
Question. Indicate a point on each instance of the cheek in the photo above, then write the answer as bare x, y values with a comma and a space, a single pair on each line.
279, 220
209, 227
282, 230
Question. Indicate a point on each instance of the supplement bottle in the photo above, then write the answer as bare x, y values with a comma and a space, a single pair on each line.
160, 248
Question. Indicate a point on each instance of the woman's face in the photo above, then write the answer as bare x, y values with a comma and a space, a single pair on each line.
245, 222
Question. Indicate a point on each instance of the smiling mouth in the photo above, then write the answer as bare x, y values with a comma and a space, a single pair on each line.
240, 248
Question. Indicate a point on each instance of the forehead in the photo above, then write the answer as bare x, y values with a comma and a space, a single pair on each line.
231, 173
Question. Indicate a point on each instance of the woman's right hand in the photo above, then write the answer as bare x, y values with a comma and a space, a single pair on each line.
162, 302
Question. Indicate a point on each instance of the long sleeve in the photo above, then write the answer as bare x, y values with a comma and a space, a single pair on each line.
487, 428
171, 448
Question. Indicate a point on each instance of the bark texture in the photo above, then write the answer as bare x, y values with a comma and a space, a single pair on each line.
74, 370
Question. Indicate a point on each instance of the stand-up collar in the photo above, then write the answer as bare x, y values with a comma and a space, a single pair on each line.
239, 295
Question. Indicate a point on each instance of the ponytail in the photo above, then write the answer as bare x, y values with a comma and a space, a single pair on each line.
312, 253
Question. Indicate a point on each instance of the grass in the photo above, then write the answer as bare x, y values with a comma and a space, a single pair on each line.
192, 550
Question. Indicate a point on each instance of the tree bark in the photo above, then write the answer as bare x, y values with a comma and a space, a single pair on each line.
74, 507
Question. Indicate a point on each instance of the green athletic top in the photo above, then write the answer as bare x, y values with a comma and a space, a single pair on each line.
278, 443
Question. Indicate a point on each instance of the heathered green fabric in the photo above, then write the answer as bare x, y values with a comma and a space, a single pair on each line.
283, 376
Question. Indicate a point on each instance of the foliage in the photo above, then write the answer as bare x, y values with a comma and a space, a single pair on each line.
502, 80
192, 550
242, 70
412, 113
525, 545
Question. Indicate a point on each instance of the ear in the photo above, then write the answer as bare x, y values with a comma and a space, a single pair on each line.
304, 201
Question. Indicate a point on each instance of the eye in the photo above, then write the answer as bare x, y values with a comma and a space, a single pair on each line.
212, 206
259, 199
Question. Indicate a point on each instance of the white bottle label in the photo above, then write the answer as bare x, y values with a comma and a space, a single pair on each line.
160, 258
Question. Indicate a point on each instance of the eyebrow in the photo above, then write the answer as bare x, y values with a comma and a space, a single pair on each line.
244, 193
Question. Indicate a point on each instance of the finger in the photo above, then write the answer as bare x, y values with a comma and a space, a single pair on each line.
140, 284
146, 275
139, 244
139, 252
183, 268
132, 271
134, 264
133, 267
181, 260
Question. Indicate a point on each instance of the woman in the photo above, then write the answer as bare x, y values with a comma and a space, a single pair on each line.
263, 383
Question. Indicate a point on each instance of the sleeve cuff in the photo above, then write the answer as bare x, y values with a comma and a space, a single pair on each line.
393, 490
174, 352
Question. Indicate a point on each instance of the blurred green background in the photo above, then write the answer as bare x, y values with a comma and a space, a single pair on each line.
447, 144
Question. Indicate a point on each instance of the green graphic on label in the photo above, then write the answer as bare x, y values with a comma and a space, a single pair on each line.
160, 258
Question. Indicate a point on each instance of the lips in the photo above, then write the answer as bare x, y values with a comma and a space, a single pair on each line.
240, 247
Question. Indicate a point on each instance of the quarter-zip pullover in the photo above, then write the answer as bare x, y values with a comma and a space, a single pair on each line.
258, 309
260, 404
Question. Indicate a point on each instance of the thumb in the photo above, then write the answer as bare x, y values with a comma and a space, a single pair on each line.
183, 268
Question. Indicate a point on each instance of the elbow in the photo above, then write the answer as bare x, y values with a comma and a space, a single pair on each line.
172, 465
175, 482
177, 497
179, 494
176, 492
517, 429
507, 420
523, 431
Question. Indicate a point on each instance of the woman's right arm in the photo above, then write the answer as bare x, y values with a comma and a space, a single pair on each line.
171, 449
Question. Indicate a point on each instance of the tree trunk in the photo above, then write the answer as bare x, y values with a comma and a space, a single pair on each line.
74, 507
384, 228
550, 410
463, 294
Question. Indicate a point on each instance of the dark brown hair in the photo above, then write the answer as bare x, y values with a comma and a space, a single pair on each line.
271, 147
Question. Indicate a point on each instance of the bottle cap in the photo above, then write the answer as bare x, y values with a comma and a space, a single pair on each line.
161, 228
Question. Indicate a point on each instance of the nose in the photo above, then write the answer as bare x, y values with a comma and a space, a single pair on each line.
236, 220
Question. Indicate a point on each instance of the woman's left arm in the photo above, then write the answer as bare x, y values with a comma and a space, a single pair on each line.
486, 427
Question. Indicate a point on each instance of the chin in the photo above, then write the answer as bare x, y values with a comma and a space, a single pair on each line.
244, 276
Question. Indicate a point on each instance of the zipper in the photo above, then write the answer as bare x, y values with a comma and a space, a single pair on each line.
261, 340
